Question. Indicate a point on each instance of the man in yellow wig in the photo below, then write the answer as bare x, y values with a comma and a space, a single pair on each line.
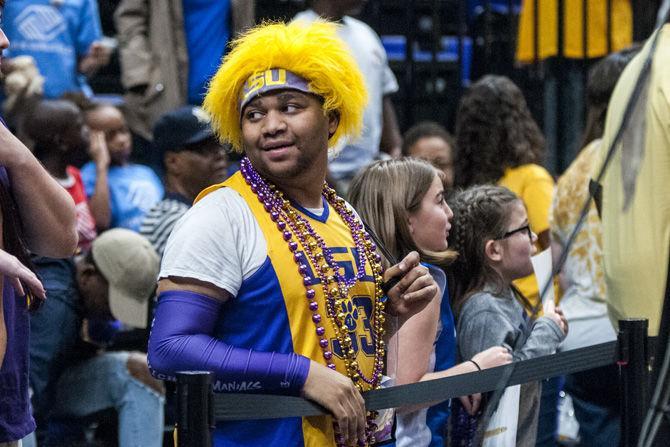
270, 280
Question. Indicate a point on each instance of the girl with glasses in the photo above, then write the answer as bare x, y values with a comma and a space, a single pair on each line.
494, 242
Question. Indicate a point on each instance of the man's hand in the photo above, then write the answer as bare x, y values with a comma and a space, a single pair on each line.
414, 290
337, 394
98, 56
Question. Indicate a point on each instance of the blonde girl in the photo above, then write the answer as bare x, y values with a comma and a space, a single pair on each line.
403, 201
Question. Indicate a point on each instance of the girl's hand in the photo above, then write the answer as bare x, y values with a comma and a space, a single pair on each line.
18, 275
471, 403
98, 150
492, 357
563, 321
556, 314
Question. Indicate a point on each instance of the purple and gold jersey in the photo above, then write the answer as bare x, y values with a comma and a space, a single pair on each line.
270, 313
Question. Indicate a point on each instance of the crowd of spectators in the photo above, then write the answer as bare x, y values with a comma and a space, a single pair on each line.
134, 164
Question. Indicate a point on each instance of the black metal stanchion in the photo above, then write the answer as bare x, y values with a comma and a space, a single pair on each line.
195, 411
633, 364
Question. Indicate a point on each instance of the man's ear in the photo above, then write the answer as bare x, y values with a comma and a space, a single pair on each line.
85, 273
333, 122
493, 250
171, 160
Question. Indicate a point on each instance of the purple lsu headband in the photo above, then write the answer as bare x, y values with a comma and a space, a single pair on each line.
269, 80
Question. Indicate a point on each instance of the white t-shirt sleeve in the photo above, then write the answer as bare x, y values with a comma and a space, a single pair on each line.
217, 241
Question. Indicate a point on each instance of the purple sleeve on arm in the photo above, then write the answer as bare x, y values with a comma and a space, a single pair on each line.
181, 340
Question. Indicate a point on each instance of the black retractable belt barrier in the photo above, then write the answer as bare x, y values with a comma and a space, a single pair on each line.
197, 411
633, 361
195, 419
231, 406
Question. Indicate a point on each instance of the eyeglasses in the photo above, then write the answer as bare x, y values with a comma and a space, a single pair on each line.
525, 228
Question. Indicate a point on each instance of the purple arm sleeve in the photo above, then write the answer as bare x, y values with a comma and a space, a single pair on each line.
181, 340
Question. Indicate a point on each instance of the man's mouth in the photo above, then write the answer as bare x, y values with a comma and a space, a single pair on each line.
277, 145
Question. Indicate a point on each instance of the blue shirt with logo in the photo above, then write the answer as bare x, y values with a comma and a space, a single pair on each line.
133, 190
56, 33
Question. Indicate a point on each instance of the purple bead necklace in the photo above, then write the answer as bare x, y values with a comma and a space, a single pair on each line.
335, 285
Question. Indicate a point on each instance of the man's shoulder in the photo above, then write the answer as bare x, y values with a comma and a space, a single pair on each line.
164, 209
222, 207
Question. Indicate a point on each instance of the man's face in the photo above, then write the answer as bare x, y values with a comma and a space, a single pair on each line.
200, 165
285, 135
94, 291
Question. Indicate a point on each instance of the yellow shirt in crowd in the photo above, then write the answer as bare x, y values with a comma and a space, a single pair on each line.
636, 242
622, 28
535, 186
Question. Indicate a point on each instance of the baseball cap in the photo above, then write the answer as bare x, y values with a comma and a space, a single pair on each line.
130, 265
181, 127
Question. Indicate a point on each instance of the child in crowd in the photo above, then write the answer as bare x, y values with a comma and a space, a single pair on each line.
121, 192
492, 235
431, 142
60, 141
403, 202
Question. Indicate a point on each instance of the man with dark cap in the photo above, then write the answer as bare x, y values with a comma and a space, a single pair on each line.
192, 158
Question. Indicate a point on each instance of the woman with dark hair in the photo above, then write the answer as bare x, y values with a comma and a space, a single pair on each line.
497, 141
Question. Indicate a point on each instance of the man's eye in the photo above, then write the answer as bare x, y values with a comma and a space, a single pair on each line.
253, 114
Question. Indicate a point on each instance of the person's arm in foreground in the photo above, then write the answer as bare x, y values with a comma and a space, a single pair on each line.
46, 209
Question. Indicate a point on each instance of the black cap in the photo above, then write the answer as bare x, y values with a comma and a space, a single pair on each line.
180, 128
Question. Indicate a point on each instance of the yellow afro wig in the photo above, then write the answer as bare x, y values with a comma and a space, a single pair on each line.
310, 50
